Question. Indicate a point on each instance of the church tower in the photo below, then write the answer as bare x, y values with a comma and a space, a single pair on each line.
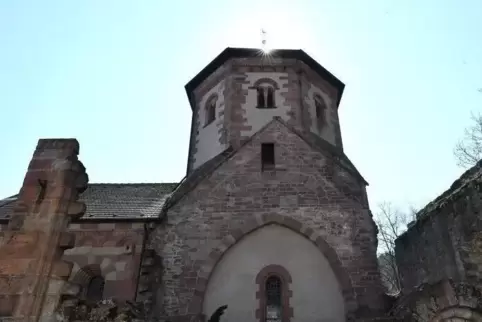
272, 218
241, 90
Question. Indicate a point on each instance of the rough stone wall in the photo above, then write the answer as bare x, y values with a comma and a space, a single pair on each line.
112, 250
445, 243
32, 274
305, 192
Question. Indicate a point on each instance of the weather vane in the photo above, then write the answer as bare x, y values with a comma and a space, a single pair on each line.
263, 38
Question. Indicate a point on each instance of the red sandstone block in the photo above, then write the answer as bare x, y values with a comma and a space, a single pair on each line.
9, 266
67, 240
40, 164
19, 245
62, 270
7, 304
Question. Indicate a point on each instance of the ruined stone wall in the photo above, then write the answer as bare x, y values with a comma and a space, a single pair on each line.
112, 250
307, 192
445, 242
440, 256
32, 274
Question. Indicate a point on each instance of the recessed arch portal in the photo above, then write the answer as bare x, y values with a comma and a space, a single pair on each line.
260, 228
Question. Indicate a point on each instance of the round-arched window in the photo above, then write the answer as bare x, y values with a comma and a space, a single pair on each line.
273, 299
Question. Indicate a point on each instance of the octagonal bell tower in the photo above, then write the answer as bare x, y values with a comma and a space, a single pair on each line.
241, 90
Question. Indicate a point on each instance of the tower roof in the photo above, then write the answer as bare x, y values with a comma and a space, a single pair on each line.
230, 53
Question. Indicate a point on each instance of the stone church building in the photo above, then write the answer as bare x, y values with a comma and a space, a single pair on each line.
272, 218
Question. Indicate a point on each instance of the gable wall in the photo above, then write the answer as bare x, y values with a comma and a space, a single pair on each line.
305, 186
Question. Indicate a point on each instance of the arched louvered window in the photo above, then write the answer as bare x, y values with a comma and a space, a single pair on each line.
95, 289
274, 304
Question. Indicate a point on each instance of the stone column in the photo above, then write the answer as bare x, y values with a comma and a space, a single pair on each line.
32, 274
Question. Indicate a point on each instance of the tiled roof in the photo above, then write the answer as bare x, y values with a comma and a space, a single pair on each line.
116, 200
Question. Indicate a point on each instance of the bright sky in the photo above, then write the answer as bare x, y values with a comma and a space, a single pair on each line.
112, 75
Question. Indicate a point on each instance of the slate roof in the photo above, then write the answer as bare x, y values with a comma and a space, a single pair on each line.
115, 201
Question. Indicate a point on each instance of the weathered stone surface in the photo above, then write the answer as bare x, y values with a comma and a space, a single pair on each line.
32, 246
231, 202
445, 300
445, 242
440, 256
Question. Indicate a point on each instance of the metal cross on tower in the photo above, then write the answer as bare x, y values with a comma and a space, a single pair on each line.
263, 39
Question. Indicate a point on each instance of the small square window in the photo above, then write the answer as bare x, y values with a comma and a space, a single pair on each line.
267, 156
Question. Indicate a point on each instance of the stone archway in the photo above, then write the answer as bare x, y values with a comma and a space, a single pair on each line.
258, 222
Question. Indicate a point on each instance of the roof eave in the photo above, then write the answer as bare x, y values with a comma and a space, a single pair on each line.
232, 52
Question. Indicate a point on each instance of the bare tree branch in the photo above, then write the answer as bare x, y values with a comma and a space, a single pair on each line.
391, 223
468, 151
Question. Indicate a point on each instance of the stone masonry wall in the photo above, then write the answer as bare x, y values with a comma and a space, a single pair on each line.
32, 274
445, 243
112, 250
302, 193
237, 117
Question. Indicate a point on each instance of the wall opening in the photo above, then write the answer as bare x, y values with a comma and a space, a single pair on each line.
267, 156
320, 110
265, 97
210, 110
95, 289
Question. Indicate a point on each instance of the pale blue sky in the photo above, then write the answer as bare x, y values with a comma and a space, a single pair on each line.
112, 75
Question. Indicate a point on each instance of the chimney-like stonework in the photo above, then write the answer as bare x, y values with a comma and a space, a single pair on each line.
32, 274
245, 89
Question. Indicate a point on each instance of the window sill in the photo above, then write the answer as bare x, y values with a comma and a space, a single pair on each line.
266, 107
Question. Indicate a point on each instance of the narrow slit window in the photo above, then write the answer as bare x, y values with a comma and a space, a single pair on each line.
270, 98
261, 99
267, 156
210, 112
320, 111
